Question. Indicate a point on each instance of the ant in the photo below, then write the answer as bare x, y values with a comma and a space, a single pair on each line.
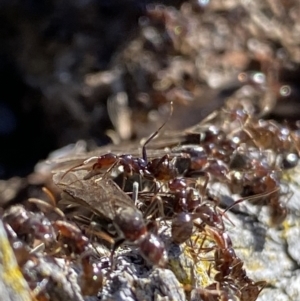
218, 151
211, 156
105, 198
266, 135
156, 168
260, 182
29, 225
49, 280
91, 277
34, 226
230, 270
189, 205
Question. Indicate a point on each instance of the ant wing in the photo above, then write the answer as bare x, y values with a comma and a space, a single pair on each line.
67, 162
102, 196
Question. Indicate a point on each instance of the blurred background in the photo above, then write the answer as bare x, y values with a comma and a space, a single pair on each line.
105, 71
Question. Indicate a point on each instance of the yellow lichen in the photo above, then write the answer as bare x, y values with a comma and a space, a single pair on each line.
12, 276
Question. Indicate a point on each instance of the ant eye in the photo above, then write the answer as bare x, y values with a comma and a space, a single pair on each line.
285, 91
259, 78
290, 161
203, 3
243, 77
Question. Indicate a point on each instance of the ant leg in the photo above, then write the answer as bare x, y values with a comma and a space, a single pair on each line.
152, 227
90, 228
72, 168
202, 187
40, 288
44, 206
50, 205
88, 176
117, 244
83, 166
39, 248
151, 209
50, 196
124, 179
157, 186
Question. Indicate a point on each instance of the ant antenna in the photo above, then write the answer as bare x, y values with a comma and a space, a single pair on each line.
144, 153
254, 197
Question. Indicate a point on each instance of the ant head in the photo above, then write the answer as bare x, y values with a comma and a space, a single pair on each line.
153, 250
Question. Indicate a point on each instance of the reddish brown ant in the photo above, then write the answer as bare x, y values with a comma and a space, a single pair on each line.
104, 198
230, 270
211, 156
17, 218
190, 204
30, 225
55, 235
71, 236
268, 135
91, 277
260, 183
129, 163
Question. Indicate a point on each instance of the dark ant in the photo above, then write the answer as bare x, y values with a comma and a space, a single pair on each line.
260, 184
113, 203
230, 277
239, 125
159, 168
213, 143
90, 278
223, 290
71, 236
230, 270
20, 249
189, 206
211, 157
185, 198
30, 225
198, 157
269, 135
255, 176
216, 144
104, 198
49, 281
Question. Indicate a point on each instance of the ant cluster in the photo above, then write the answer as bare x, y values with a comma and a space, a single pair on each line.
113, 199
48, 249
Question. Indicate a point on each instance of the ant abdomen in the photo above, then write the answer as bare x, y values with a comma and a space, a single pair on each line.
182, 227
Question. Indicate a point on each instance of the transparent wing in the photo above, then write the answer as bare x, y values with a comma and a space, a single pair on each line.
103, 197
